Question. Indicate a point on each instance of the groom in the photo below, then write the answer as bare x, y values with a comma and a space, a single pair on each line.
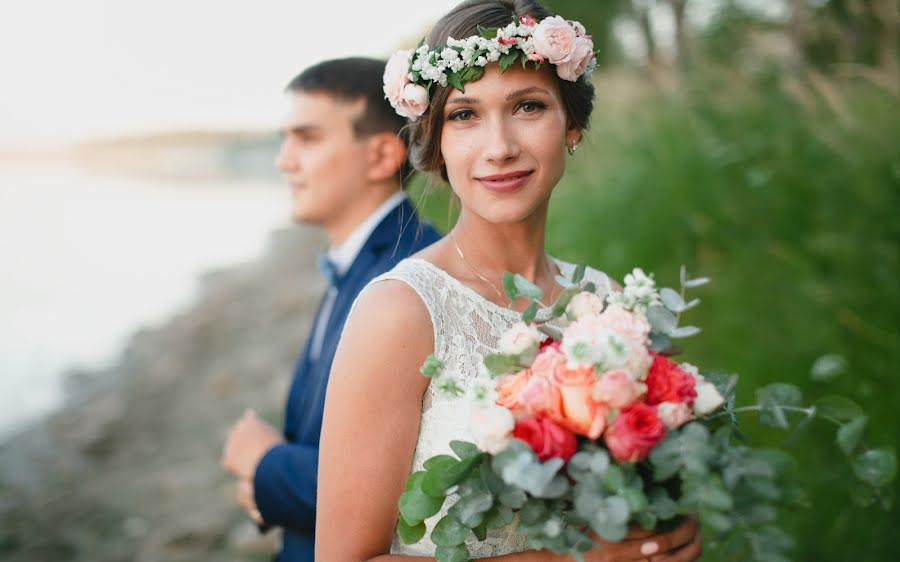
343, 157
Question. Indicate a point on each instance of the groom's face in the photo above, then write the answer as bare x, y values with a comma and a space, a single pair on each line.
321, 158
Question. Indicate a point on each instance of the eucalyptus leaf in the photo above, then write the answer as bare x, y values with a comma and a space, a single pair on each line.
410, 534
687, 449
457, 553
828, 367
850, 434
684, 332
559, 307
417, 506
498, 364
527, 289
671, 299
509, 286
470, 509
578, 274
837, 407
877, 467
415, 480
772, 399
694, 283
449, 531
464, 449
661, 319
529, 313
446, 473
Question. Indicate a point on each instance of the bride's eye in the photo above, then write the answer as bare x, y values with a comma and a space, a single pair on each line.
461, 115
532, 106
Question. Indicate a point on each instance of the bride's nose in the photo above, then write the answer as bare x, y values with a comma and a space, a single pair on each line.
501, 144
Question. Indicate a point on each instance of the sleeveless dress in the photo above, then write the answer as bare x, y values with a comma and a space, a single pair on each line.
467, 327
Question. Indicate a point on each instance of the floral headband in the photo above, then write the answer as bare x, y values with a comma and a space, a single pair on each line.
410, 74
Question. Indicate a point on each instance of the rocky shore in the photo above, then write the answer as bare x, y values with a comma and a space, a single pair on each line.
129, 468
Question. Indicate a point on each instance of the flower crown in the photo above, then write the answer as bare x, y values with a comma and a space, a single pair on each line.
410, 74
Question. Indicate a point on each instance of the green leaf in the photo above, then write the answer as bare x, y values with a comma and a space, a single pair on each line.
470, 73
661, 505
687, 448
499, 364
499, 516
684, 332
529, 313
562, 302
508, 59
487, 32
464, 449
772, 399
527, 289
431, 367
671, 299
694, 283
455, 80
470, 509
481, 531
715, 520
513, 497
449, 532
578, 274
445, 473
410, 534
661, 319
877, 467
458, 553
839, 408
850, 434
509, 286
828, 367
415, 480
417, 506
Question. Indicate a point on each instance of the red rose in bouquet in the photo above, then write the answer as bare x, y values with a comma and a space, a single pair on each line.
666, 382
635, 431
546, 438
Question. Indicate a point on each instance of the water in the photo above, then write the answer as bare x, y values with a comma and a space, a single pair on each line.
85, 259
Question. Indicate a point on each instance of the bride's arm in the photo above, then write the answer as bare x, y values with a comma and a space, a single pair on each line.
371, 423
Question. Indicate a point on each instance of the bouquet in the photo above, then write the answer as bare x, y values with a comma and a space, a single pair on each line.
589, 426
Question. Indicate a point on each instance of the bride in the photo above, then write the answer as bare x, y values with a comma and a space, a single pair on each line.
502, 146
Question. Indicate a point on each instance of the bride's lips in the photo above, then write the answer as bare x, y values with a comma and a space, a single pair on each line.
505, 183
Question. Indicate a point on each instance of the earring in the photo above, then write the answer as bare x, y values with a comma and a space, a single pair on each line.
572, 148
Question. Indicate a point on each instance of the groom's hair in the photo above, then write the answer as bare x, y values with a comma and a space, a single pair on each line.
352, 79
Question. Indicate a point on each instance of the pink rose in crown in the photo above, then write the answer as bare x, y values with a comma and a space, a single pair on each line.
396, 76
666, 382
554, 39
527, 20
580, 57
413, 102
635, 431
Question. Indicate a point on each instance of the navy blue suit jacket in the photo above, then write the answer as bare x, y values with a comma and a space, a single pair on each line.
285, 479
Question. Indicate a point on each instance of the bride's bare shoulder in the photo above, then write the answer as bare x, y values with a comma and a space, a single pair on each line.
389, 311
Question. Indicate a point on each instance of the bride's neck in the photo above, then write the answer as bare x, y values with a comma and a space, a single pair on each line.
495, 248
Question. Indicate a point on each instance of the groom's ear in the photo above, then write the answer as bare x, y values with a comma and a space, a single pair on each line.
386, 153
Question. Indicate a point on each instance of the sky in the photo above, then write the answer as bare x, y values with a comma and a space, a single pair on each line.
76, 69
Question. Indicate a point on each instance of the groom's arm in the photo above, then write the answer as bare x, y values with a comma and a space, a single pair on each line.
284, 486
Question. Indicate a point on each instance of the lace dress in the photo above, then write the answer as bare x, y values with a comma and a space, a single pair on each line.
467, 327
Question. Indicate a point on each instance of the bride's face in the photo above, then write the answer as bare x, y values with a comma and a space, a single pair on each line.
504, 140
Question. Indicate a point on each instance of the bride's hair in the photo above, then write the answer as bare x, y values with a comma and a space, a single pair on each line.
461, 22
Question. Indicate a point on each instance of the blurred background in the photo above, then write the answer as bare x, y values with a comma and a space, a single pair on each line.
152, 286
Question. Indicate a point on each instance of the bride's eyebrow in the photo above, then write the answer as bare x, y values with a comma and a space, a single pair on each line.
462, 100
525, 91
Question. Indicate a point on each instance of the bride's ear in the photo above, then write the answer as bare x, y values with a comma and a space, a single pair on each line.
573, 136
386, 154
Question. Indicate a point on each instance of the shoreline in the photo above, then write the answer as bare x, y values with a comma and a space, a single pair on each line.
128, 467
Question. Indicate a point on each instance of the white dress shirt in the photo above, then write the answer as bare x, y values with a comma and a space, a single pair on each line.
343, 257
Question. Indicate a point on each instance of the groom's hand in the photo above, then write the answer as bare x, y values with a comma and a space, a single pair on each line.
248, 440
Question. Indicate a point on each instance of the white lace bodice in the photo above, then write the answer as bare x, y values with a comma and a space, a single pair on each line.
467, 327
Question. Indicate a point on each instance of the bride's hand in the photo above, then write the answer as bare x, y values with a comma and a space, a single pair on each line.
682, 544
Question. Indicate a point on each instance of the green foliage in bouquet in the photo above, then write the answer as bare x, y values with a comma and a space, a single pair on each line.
703, 467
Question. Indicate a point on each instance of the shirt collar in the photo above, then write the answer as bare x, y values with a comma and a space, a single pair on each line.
344, 255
